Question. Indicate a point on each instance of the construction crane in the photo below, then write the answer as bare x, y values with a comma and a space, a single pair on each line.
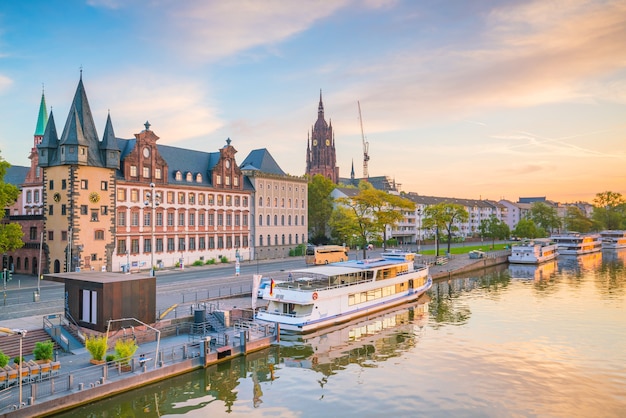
366, 145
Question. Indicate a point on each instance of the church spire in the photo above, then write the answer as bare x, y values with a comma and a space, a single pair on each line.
320, 107
42, 117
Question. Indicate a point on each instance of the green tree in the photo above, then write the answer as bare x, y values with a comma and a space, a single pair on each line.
444, 216
345, 227
545, 216
494, 228
609, 210
320, 207
371, 212
526, 228
10, 234
575, 220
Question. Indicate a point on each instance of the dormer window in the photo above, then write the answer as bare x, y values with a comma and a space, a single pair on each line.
218, 179
198, 178
178, 175
188, 177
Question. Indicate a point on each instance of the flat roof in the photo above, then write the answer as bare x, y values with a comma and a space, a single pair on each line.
95, 277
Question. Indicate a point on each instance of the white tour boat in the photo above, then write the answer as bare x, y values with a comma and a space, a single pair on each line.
575, 243
533, 252
327, 295
613, 239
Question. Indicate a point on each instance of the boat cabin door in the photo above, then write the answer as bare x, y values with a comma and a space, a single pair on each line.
411, 284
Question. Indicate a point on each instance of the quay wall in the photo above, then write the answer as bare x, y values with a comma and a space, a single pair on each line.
468, 265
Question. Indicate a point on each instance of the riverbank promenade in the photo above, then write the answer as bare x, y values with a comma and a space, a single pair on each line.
179, 347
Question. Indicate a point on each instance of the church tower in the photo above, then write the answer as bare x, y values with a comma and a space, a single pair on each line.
320, 152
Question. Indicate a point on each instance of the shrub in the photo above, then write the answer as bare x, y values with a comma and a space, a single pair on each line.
125, 349
224, 259
97, 346
110, 358
198, 263
4, 359
210, 261
44, 350
16, 360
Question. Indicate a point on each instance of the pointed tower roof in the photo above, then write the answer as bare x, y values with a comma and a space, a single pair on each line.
108, 140
50, 136
261, 160
79, 109
42, 118
320, 124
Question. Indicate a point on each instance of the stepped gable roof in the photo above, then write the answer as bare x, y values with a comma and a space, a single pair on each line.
261, 160
42, 117
15, 175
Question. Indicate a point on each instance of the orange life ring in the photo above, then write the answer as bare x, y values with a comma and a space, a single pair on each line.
314, 295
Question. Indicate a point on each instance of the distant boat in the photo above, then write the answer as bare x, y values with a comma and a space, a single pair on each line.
613, 239
533, 252
324, 296
575, 243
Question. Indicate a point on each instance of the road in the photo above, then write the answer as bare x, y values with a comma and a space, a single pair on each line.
182, 287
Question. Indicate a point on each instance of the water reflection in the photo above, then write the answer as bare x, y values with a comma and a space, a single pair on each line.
543, 271
486, 345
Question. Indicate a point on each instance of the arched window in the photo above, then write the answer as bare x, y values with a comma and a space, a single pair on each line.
178, 175
269, 239
276, 239
26, 263
268, 223
276, 220
198, 178
282, 220
260, 201
289, 203
295, 218
289, 220
302, 220
297, 239
18, 264
260, 240
289, 239
283, 239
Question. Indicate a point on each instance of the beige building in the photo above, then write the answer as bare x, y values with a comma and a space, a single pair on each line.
279, 217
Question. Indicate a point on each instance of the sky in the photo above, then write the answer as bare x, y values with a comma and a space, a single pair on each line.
478, 99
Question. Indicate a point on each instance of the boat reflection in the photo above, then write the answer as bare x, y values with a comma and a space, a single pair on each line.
534, 272
376, 338
580, 263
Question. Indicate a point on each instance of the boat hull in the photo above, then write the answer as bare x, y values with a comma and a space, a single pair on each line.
307, 326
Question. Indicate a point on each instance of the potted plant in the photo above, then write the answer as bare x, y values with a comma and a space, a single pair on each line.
4, 359
43, 351
124, 350
97, 347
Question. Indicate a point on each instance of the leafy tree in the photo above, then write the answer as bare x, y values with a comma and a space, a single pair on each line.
345, 227
10, 234
371, 212
575, 220
545, 216
444, 216
320, 207
609, 210
494, 228
526, 228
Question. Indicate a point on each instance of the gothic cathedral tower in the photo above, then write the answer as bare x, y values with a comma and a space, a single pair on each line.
320, 150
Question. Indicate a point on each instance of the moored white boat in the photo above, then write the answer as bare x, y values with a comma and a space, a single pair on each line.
323, 296
533, 252
575, 243
613, 239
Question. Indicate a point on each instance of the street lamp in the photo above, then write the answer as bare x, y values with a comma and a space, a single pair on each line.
153, 199
22, 334
419, 231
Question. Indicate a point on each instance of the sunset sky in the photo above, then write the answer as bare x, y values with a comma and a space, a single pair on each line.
469, 99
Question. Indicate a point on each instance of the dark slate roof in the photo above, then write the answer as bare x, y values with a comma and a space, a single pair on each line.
261, 160
183, 160
433, 200
531, 199
378, 182
16, 174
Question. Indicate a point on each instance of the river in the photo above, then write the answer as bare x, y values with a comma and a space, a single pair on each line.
513, 341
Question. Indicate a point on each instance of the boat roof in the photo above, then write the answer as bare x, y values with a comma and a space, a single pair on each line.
352, 266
